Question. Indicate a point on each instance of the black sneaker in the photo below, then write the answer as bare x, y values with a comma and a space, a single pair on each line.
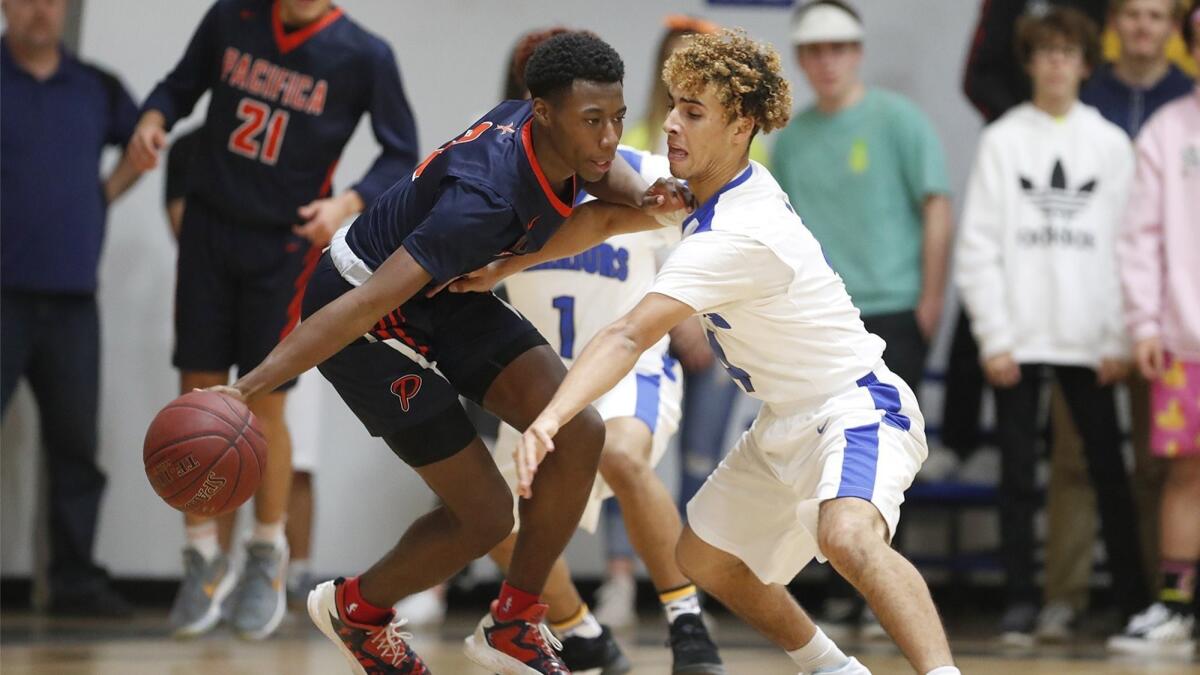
692, 650
600, 654
100, 603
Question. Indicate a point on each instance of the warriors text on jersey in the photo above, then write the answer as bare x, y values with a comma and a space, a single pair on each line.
571, 299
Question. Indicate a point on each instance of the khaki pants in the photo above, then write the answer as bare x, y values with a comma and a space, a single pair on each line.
1071, 502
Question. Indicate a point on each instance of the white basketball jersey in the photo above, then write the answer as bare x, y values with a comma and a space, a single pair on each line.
777, 316
572, 299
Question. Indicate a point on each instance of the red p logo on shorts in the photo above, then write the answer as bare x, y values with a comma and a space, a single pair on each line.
405, 389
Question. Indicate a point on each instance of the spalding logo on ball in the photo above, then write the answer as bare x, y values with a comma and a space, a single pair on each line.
205, 453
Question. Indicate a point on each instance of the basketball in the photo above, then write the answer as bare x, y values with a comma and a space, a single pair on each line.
205, 453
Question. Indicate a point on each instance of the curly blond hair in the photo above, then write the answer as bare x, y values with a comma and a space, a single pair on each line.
747, 76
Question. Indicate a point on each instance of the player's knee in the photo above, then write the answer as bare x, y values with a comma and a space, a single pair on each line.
491, 525
845, 540
622, 470
587, 433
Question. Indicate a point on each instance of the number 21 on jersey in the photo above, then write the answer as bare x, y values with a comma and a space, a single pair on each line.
256, 115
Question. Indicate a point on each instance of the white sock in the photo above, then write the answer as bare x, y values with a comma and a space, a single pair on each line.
297, 572
945, 670
583, 625
819, 653
680, 601
203, 538
269, 533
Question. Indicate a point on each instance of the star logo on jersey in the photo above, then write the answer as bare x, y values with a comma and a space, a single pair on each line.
506, 128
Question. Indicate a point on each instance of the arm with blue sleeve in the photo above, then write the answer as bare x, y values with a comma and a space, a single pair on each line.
176, 95
393, 125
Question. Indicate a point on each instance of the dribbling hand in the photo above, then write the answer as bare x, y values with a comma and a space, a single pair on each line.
232, 392
532, 448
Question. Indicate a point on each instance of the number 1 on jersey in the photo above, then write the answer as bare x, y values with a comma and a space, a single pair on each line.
565, 304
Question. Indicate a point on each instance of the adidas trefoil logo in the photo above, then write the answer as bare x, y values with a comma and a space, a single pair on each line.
1058, 199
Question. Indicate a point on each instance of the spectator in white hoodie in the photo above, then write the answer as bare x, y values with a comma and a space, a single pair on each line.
1037, 273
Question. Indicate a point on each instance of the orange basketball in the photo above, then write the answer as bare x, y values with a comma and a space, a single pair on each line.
205, 453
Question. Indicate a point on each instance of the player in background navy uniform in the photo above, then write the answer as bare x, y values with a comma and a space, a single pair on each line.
289, 82
399, 353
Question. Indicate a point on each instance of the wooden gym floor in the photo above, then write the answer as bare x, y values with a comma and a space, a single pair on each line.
31, 643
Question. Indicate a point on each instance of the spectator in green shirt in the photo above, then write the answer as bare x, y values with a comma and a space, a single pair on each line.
866, 172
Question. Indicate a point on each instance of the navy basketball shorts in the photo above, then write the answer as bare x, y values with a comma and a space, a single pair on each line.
238, 291
404, 378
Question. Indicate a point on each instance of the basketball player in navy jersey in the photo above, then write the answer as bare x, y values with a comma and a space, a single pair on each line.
399, 353
290, 80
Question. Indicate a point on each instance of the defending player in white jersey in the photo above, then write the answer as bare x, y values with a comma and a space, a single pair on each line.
822, 471
569, 301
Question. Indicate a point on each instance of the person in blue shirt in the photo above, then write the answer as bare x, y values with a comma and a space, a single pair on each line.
400, 353
59, 114
1142, 78
289, 81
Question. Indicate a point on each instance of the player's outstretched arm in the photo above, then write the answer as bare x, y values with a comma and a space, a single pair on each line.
336, 325
589, 225
607, 358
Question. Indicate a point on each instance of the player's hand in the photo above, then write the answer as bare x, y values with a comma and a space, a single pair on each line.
322, 217
1148, 354
148, 139
1111, 371
928, 314
1002, 371
232, 392
481, 280
532, 448
666, 196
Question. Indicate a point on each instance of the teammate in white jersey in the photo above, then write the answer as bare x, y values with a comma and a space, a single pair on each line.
822, 471
569, 301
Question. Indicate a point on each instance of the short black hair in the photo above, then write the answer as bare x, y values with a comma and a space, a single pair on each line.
575, 55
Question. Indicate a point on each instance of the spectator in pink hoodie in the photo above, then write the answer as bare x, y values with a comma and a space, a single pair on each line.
1159, 254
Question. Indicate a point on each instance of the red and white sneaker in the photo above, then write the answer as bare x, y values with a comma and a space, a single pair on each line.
522, 645
370, 650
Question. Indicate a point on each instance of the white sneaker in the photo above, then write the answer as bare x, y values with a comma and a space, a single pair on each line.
1056, 622
1156, 631
616, 602
426, 608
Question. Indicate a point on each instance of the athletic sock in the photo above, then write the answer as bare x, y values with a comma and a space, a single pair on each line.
359, 610
820, 653
1178, 585
269, 533
513, 601
581, 624
203, 538
679, 601
945, 670
297, 572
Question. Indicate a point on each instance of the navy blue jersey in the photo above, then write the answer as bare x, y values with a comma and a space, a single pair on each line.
477, 198
283, 106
